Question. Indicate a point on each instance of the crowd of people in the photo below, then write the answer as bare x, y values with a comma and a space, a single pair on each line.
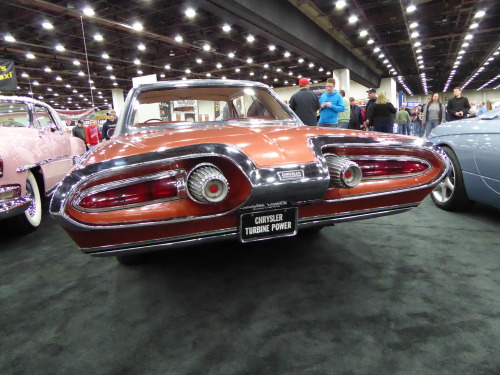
91, 134
379, 114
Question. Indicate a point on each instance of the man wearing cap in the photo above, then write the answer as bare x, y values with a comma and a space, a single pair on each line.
305, 103
109, 126
372, 98
331, 105
79, 131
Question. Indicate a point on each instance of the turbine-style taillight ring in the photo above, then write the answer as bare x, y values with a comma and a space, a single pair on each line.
344, 173
207, 184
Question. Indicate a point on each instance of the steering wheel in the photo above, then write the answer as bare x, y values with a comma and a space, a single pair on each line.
153, 119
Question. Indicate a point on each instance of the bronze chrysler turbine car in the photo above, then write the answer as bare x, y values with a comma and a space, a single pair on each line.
202, 160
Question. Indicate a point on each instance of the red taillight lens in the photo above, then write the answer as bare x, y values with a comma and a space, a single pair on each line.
380, 168
142, 192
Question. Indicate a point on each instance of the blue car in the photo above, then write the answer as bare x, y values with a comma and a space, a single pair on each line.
473, 146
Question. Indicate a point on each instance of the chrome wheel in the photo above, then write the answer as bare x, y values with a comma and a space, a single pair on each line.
444, 191
451, 194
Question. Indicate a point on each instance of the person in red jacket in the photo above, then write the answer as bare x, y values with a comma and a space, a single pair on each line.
92, 134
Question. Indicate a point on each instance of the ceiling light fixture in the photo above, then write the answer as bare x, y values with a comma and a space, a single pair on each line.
353, 19
230, 55
206, 47
98, 37
47, 25
411, 8
105, 56
340, 4
190, 13
141, 47
363, 33
250, 38
413, 25
60, 47
30, 55
88, 11
226, 28
137, 26
480, 14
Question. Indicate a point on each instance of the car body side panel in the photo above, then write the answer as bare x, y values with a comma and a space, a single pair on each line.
463, 145
476, 142
487, 158
482, 190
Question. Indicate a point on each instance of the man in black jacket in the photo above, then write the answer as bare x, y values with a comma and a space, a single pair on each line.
305, 103
109, 126
458, 107
372, 98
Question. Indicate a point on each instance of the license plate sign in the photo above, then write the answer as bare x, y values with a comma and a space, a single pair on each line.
268, 224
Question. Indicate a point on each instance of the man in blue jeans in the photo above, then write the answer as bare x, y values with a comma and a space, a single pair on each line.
331, 104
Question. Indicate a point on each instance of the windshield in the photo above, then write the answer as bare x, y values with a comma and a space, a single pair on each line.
188, 105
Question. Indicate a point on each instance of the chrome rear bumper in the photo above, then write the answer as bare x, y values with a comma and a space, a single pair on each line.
233, 234
13, 207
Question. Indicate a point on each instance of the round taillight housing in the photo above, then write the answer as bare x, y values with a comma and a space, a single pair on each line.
207, 184
344, 173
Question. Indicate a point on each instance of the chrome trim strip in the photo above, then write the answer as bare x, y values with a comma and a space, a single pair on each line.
179, 175
40, 163
13, 207
233, 233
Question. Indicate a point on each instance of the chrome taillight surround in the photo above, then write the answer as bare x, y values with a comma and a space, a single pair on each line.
179, 175
206, 184
375, 158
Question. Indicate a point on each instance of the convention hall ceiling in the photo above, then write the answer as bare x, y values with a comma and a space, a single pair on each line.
435, 47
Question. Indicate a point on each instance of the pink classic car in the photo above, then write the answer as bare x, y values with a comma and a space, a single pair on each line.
35, 154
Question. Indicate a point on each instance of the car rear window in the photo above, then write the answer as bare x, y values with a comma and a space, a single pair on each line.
162, 108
